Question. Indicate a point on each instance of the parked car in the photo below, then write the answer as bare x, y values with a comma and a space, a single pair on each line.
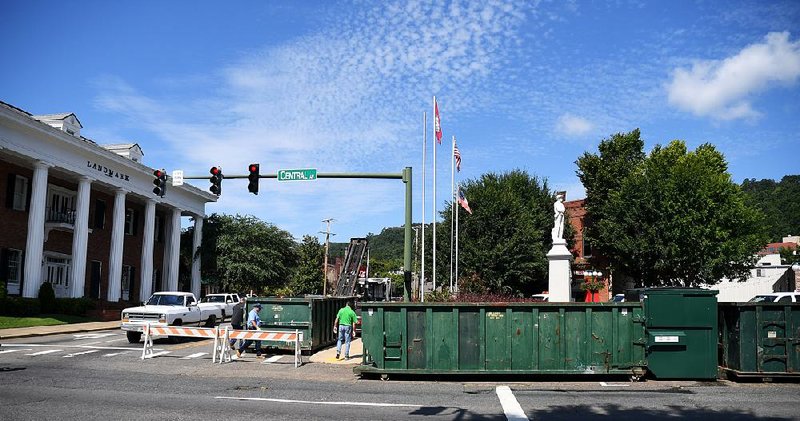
777, 297
618, 298
541, 297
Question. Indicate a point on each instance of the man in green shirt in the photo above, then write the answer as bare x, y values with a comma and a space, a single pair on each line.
346, 326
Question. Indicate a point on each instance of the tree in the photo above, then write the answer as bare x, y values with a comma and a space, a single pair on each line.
243, 253
673, 219
307, 277
503, 244
779, 202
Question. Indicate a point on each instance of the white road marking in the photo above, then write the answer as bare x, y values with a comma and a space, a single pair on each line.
604, 384
13, 350
49, 351
81, 353
510, 405
158, 354
108, 348
195, 355
92, 335
115, 340
322, 402
272, 359
115, 354
91, 343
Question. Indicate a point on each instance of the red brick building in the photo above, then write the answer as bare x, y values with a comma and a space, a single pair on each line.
582, 269
83, 216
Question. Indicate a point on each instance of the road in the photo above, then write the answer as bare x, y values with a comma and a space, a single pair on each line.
100, 376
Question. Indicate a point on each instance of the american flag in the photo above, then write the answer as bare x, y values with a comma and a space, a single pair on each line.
437, 123
457, 156
462, 200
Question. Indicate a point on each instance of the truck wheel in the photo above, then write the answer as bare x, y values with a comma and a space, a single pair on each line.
212, 321
133, 337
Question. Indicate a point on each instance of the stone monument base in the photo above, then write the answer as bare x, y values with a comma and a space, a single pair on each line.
560, 274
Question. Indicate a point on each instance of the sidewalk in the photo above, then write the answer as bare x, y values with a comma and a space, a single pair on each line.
328, 356
22, 332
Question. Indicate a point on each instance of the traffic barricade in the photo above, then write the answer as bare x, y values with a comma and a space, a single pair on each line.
223, 352
180, 331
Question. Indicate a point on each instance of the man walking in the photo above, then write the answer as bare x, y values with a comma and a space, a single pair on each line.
253, 323
237, 319
346, 324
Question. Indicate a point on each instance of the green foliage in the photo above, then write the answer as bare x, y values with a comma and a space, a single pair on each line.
779, 202
789, 256
673, 219
593, 284
242, 253
3, 288
73, 306
47, 297
307, 277
19, 307
505, 241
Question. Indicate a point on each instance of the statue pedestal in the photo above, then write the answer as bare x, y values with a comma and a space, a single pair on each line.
559, 274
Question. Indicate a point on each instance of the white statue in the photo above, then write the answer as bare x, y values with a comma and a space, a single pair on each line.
558, 218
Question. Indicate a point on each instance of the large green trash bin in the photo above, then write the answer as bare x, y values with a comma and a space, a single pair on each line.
502, 338
760, 339
313, 316
681, 326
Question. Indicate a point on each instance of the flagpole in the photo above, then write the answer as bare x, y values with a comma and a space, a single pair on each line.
434, 196
424, 152
452, 205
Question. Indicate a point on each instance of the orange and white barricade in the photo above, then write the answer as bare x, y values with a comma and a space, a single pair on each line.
259, 335
185, 332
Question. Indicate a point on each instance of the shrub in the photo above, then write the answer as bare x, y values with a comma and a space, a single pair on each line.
47, 297
73, 306
19, 307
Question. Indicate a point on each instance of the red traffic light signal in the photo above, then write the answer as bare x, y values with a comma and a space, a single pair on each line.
254, 176
160, 182
216, 180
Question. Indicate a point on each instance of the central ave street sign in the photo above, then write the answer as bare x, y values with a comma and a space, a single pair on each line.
305, 174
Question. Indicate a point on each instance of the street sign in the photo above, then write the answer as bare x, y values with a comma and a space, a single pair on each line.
303, 174
177, 177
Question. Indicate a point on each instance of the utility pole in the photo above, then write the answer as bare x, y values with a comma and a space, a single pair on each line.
327, 245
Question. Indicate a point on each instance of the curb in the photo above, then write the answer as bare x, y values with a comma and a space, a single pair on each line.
32, 331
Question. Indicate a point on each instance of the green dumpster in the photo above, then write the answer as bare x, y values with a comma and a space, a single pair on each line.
313, 316
502, 338
760, 339
681, 326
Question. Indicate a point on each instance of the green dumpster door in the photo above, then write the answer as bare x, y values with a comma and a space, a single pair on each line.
416, 338
469, 347
523, 340
496, 341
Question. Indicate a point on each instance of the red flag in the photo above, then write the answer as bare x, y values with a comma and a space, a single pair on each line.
437, 124
462, 200
457, 156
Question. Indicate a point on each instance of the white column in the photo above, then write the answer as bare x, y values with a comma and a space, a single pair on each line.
171, 260
198, 238
148, 240
80, 237
34, 245
117, 242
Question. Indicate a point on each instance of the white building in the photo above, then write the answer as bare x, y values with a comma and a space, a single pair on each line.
83, 216
768, 276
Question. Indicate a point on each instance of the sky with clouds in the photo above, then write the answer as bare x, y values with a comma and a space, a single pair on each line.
342, 86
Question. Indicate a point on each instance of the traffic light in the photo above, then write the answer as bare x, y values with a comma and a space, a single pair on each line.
160, 182
253, 177
216, 180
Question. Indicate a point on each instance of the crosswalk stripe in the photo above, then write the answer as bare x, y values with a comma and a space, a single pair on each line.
113, 354
511, 408
13, 350
80, 353
158, 354
195, 355
49, 351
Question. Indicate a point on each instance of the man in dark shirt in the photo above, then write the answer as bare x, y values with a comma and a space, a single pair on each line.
237, 319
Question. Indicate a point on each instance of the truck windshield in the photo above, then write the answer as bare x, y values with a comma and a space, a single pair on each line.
165, 300
214, 299
763, 299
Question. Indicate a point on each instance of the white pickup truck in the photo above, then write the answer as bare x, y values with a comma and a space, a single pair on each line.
168, 309
223, 301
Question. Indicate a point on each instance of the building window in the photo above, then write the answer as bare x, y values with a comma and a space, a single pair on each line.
20, 193
127, 281
99, 214
60, 205
13, 271
130, 221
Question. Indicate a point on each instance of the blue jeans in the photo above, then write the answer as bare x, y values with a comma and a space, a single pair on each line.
345, 334
247, 343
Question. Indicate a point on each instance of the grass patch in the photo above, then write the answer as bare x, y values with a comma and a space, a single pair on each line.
7, 322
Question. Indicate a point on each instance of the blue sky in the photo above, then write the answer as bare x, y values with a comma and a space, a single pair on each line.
341, 86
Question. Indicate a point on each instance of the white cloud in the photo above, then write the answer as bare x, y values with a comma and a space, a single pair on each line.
572, 125
723, 89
